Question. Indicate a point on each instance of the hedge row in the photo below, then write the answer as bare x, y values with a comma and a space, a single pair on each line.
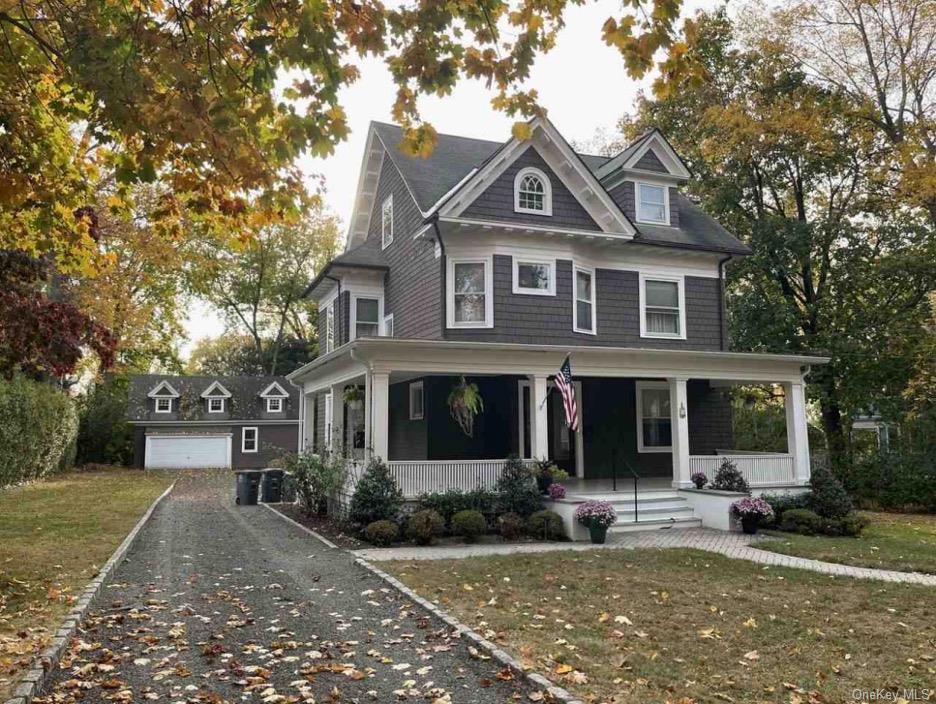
38, 427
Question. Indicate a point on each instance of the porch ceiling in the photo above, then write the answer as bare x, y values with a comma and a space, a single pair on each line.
388, 355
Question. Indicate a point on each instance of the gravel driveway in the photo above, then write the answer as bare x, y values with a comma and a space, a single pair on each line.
216, 602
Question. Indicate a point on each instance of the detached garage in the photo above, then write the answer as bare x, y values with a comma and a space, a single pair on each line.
187, 451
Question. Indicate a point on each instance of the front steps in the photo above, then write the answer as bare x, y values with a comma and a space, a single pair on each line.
656, 510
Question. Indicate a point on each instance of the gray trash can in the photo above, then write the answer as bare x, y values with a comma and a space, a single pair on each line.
248, 486
272, 486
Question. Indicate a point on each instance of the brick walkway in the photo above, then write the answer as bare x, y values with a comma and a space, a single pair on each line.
733, 545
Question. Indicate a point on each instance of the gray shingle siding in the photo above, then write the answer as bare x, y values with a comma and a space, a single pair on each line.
548, 319
497, 201
412, 284
650, 162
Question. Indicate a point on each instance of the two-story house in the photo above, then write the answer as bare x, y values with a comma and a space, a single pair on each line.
493, 261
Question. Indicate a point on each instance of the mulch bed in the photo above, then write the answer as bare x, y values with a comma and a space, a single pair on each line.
339, 534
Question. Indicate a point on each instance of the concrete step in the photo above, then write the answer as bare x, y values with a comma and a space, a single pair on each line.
658, 524
627, 511
623, 496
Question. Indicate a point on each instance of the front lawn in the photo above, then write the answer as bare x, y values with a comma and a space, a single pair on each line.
54, 536
892, 541
688, 626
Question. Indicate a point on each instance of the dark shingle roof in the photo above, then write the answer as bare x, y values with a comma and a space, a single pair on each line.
244, 404
696, 230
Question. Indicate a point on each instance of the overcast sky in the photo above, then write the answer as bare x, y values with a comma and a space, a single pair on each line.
581, 83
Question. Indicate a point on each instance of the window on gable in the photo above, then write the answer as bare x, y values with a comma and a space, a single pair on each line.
215, 405
469, 285
654, 423
532, 192
386, 221
584, 310
164, 405
274, 405
534, 277
416, 400
250, 440
652, 202
662, 308
366, 317
330, 327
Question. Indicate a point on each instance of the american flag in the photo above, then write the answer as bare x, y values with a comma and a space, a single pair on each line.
567, 389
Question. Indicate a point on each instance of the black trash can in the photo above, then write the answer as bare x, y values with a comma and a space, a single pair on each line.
248, 487
272, 486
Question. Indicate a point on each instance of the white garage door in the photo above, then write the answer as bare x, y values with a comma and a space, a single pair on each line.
187, 452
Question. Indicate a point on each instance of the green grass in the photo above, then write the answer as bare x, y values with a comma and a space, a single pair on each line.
54, 537
893, 541
686, 626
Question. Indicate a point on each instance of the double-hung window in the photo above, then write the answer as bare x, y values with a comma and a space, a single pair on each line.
163, 405
250, 440
215, 404
366, 317
469, 293
662, 307
652, 203
532, 192
654, 422
583, 311
534, 277
274, 405
386, 222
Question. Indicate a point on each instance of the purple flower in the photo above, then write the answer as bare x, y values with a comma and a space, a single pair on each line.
595, 513
751, 507
556, 491
699, 479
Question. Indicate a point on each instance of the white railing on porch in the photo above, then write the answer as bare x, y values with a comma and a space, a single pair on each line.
421, 477
759, 470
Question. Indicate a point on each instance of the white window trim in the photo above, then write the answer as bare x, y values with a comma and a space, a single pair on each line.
517, 289
594, 298
330, 326
417, 385
269, 402
488, 263
547, 192
244, 430
638, 412
387, 330
666, 202
352, 333
680, 282
163, 398
212, 399
386, 241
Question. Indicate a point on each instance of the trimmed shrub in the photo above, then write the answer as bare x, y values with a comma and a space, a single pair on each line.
314, 478
802, 521
448, 503
424, 526
376, 496
104, 435
38, 426
510, 526
902, 479
546, 525
729, 478
784, 502
382, 533
516, 489
851, 525
828, 497
469, 524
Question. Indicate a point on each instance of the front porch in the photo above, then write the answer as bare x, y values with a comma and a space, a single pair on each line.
655, 415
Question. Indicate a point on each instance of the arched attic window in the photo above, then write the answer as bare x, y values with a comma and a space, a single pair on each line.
532, 192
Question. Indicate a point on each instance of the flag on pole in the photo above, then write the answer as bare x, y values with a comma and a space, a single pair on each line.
567, 388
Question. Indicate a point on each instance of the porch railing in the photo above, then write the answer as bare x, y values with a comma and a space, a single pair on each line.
421, 477
759, 470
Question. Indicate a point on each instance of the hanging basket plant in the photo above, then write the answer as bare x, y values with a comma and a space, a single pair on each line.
465, 403
353, 396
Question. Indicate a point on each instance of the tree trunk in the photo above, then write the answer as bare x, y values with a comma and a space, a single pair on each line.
831, 411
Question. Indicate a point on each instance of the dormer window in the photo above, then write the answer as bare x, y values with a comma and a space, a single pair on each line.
532, 192
216, 405
274, 405
162, 395
164, 405
652, 203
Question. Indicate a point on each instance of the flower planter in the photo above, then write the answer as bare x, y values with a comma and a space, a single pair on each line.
749, 524
598, 532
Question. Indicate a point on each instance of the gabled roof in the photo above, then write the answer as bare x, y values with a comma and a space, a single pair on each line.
367, 255
164, 390
274, 390
630, 155
216, 390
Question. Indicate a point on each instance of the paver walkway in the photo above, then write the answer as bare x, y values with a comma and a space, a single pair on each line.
734, 545
218, 603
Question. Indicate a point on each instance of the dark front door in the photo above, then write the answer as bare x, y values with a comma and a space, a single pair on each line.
561, 439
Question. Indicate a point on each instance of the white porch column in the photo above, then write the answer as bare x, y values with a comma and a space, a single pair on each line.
380, 415
540, 425
679, 420
368, 417
337, 439
794, 395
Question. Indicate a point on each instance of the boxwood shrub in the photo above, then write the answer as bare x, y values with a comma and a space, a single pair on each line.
38, 427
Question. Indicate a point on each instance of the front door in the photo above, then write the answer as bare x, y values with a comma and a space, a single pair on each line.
561, 438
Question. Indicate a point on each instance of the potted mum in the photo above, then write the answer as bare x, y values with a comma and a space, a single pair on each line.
546, 473
751, 511
699, 479
597, 516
